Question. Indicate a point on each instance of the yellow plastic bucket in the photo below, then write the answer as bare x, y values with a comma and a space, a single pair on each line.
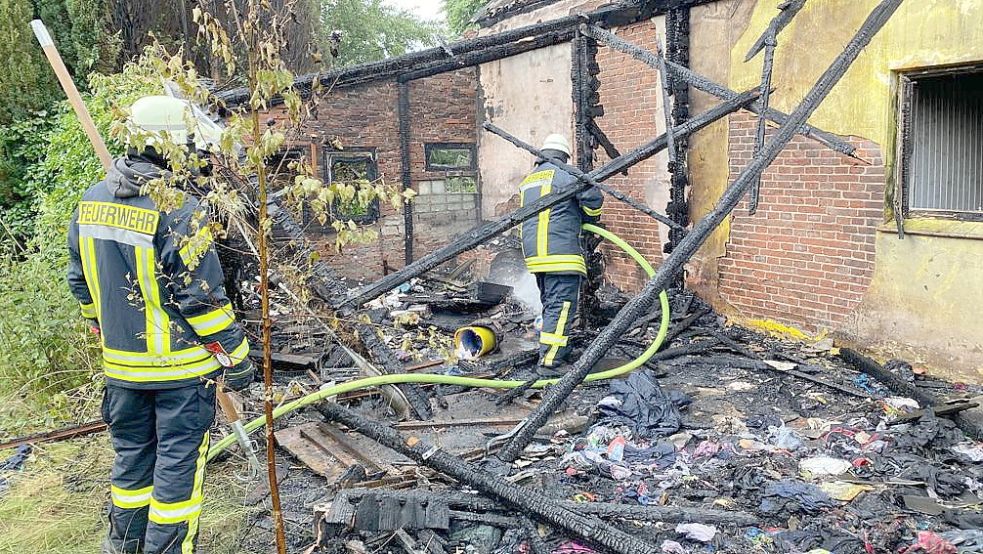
474, 341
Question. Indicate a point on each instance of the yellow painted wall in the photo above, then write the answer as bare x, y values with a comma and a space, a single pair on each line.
926, 297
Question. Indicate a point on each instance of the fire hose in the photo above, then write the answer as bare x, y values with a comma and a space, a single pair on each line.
428, 378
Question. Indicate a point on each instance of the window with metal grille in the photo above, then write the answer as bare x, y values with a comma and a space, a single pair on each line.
941, 148
353, 167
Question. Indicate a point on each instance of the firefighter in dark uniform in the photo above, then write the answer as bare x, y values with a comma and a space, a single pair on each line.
150, 284
551, 244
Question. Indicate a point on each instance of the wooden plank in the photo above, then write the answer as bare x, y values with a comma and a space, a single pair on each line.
307, 452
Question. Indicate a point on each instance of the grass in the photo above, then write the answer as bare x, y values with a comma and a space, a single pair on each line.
57, 503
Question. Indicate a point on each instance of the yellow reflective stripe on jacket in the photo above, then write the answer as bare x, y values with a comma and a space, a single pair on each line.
240, 353
543, 226
556, 263
590, 212
148, 359
158, 323
87, 251
212, 322
170, 373
197, 245
129, 499
88, 310
561, 324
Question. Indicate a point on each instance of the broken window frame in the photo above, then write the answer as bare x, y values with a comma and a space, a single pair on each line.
904, 148
448, 172
355, 155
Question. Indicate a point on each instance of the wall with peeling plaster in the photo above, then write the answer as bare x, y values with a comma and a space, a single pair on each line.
923, 299
529, 95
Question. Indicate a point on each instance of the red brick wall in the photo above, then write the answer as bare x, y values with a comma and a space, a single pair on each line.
630, 94
443, 109
807, 256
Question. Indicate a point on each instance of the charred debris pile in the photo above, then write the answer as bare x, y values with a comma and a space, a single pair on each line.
727, 440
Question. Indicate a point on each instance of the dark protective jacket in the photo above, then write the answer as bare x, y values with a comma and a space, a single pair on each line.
551, 240
153, 283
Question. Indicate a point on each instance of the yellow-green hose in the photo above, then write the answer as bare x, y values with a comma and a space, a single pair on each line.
401, 378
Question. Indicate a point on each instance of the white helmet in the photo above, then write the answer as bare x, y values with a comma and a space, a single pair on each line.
166, 115
557, 142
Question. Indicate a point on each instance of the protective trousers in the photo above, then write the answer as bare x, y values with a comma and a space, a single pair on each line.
161, 439
559, 294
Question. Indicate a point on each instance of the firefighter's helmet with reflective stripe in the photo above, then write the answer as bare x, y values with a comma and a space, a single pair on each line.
162, 115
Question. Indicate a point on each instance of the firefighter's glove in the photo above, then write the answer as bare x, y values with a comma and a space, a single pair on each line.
240, 375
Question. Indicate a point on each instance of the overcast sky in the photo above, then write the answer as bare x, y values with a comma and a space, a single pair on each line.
425, 9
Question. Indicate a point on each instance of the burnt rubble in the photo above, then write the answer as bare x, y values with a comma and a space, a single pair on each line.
730, 440
725, 440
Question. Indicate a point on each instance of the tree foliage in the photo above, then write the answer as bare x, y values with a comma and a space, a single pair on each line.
79, 27
370, 30
460, 13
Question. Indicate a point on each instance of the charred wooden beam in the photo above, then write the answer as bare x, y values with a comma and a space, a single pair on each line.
789, 10
582, 72
491, 229
57, 435
706, 85
904, 388
530, 502
759, 139
602, 140
477, 503
580, 175
392, 67
677, 51
642, 303
403, 114
491, 54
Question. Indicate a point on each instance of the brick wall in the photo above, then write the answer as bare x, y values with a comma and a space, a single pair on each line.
631, 96
365, 117
807, 256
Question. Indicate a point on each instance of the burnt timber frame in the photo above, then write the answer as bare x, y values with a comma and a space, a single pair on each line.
489, 230
642, 303
403, 114
677, 51
473, 52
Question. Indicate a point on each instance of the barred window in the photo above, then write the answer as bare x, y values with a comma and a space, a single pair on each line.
941, 148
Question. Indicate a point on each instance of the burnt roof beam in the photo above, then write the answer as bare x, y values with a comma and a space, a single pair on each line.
700, 82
